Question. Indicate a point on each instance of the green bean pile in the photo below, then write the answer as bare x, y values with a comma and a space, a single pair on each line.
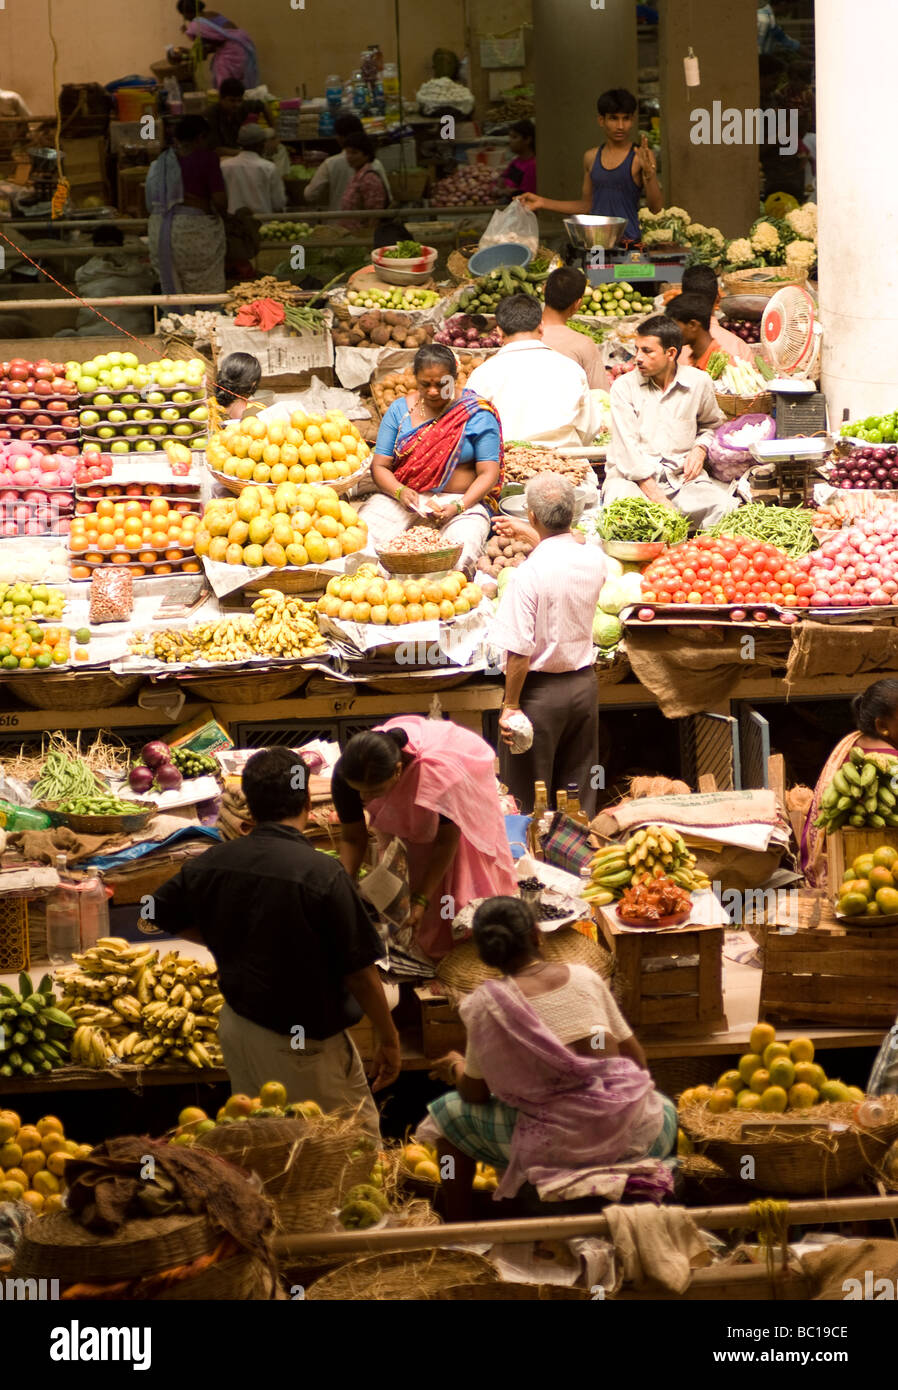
638, 519
303, 319
788, 528
64, 777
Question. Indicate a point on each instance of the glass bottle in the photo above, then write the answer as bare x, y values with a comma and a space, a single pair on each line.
573, 805
390, 80
94, 910
561, 801
63, 917
540, 813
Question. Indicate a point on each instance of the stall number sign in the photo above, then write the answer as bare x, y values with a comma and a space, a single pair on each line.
634, 270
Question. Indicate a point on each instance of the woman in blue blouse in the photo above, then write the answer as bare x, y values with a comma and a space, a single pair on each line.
438, 457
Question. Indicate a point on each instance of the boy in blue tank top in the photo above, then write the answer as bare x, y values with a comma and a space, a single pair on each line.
615, 174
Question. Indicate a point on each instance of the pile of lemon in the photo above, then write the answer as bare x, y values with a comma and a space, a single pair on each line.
293, 525
303, 449
33, 1159
365, 597
773, 1077
870, 885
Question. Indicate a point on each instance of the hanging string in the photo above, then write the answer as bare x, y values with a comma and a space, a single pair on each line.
771, 1221
61, 192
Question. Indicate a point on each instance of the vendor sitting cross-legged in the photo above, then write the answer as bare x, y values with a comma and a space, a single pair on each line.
438, 457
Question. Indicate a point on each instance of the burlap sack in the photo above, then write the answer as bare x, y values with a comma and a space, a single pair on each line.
852, 1268
691, 669
821, 649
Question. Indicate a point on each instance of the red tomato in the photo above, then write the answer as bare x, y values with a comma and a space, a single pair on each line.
679, 596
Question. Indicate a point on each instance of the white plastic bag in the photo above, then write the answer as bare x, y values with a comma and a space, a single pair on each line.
514, 223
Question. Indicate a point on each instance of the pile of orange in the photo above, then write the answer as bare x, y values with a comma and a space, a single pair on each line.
303, 449
152, 536
33, 1160
27, 646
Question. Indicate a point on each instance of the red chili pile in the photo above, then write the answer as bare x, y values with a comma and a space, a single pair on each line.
726, 570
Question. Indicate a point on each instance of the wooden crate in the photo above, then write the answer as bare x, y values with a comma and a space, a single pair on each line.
442, 1030
844, 846
825, 972
659, 995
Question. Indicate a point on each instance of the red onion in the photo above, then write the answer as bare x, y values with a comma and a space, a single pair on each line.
168, 778
155, 753
140, 779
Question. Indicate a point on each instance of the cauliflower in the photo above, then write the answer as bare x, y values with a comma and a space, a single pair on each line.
765, 238
740, 252
801, 255
658, 236
696, 232
675, 215
647, 218
803, 221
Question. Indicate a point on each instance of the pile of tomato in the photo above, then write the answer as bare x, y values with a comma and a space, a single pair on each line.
726, 570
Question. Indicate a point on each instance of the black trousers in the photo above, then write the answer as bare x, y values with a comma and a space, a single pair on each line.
563, 708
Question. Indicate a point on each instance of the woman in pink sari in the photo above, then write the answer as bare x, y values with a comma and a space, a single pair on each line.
232, 51
432, 784
553, 1080
876, 717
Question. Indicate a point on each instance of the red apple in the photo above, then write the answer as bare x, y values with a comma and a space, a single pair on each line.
70, 421
43, 370
18, 371
30, 434
16, 418
17, 388
42, 418
71, 450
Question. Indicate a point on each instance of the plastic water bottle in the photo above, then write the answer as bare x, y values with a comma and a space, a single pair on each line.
63, 918
15, 818
94, 905
870, 1112
333, 91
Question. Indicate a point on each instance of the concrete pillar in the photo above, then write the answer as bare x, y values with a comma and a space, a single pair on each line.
579, 50
718, 184
858, 216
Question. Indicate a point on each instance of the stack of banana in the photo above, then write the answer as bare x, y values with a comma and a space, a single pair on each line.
652, 852
129, 1006
285, 626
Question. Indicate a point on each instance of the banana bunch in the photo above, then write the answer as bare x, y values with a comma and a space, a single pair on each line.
228, 639
654, 852
285, 626
127, 1005
609, 875
35, 1035
181, 1002
863, 792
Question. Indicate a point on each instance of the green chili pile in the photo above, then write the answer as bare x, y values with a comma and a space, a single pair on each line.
638, 519
788, 528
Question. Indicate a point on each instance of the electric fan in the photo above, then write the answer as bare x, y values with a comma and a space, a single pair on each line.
791, 334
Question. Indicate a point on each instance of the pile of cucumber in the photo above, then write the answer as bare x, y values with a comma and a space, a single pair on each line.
485, 293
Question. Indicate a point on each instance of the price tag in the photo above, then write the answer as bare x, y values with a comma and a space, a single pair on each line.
634, 270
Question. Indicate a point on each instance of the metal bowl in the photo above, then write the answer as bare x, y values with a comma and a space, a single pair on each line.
587, 232
515, 505
634, 551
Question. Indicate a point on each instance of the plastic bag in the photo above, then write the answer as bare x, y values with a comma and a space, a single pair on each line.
111, 595
514, 223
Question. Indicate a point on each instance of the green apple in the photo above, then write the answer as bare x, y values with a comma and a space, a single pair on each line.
167, 380
105, 432
143, 414
155, 397
88, 384
73, 373
170, 413
129, 359
102, 361
156, 429
119, 446
183, 428
72, 365
130, 399
117, 414
115, 359
200, 413
144, 446
182, 396
132, 431
103, 399
88, 417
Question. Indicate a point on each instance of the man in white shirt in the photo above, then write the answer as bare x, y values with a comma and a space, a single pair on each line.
544, 625
662, 420
541, 397
253, 182
333, 176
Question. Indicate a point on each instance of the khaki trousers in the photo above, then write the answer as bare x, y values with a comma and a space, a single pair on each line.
329, 1072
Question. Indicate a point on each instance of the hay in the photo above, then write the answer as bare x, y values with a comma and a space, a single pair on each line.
701, 1125
413, 1274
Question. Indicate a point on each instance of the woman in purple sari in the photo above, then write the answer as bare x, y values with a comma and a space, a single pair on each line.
553, 1079
232, 51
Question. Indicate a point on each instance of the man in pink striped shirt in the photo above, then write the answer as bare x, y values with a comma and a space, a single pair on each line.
544, 625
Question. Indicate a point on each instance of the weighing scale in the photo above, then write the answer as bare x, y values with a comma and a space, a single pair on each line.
794, 461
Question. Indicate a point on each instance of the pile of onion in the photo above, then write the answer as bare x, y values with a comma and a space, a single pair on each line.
155, 769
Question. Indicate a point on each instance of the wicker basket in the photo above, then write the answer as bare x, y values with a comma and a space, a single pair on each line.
101, 825
614, 670
57, 1247
734, 406
408, 185
309, 579
418, 1274
236, 1280
74, 690
14, 946
511, 1293
339, 485
246, 688
804, 1165
462, 970
403, 685
430, 562
762, 281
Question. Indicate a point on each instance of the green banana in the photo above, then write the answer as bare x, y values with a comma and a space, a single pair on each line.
615, 880
840, 782
851, 774
857, 756
25, 985
857, 820
56, 1016
878, 822
868, 775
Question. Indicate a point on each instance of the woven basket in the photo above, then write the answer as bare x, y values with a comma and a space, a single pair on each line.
236, 1280
462, 970
796, 1165
511, 1293
309, 579
101, 825
293, 1157
430, 562
401, 685
339, 485
418, 1274
56, 1247
245, 688
734, 406
762, 281
74, 690
614, 670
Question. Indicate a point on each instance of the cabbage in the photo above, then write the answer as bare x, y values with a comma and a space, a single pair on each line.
606, 629
504, 578
620, 593
613, 568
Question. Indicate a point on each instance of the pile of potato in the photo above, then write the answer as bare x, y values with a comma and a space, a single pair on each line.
501, 554
524, 461
389, 328
395, 385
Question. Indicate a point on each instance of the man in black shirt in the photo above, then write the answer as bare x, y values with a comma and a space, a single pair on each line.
294, 946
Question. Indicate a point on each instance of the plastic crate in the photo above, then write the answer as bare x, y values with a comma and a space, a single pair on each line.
14, 955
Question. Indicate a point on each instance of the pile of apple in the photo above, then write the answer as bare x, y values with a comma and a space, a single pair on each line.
92, 468
36, 497
139, 407
38, 404
117, 371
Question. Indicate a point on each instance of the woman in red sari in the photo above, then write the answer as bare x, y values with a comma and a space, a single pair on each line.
438, 457
876, 717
